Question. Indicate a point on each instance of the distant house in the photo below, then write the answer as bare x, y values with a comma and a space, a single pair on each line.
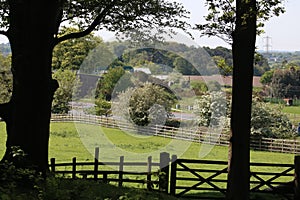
223, 80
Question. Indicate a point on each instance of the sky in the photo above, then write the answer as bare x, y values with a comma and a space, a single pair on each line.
284, 30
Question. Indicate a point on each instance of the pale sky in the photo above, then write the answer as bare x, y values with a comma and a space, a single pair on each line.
283, 30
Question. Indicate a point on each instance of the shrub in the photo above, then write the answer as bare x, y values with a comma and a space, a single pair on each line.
102, 107
270, 122
266, 121
18, 183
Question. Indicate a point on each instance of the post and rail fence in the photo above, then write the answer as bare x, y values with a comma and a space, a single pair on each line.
200, 135
187, 178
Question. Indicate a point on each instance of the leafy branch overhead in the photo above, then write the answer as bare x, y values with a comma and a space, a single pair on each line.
222, 17
34, 28
113, 15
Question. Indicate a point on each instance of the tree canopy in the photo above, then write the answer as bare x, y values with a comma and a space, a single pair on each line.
286, 83
34, 28
222, 17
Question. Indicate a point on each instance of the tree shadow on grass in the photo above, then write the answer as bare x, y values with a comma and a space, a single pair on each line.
218, 195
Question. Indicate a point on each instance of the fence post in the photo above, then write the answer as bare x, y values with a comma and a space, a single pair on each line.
297, 178
149, 165
164, 171
52, 164
96, 163
173, 175
121, 168
74, 168
260, 145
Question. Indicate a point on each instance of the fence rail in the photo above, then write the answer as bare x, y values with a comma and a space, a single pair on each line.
200, 134
200, 179
105, 171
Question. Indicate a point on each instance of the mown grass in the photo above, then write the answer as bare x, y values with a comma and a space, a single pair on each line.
70, 140
292, 109
66, 143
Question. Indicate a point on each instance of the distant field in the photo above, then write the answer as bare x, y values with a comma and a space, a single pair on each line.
292, 109
65, 144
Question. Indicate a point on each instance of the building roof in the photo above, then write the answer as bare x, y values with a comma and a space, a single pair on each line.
223, 80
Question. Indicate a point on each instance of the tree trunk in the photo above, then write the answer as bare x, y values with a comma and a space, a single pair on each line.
27, 115
243, 48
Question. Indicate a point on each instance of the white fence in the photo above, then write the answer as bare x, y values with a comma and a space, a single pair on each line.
200, 134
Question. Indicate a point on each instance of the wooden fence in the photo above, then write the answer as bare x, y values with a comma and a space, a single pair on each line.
200, 134
199, 179
151, 176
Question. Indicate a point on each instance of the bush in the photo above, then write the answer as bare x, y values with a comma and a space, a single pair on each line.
266, 121
173, 123
270, 122
102, 107
17, 183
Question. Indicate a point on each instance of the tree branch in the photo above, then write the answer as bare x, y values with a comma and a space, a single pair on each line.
92, 26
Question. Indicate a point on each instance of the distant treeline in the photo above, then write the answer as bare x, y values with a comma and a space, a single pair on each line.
187, 60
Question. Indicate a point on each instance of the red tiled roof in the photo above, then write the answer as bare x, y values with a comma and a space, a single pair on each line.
223, 80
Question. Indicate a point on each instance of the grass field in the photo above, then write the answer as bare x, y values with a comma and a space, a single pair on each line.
67, 141
292, 109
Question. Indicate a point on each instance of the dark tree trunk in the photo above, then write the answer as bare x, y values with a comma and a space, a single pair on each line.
31, 35
243, 49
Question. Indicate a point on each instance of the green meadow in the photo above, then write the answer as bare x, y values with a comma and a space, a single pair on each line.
70, 140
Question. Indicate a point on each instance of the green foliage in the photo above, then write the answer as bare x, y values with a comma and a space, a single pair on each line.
266, 121
223, 59
71, 53
115, 16
18, 183
184, 67
149, 101
199, 87
286, 83
68, 88
270, 122
222, 17
102, 107
173, 123
261, 64
115, 77
223, 67
221, 52
267, 77
211, 109
126, 16
6, 79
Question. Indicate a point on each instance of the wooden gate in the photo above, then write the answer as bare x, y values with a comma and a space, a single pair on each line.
204, 179
273, 178
191, 177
